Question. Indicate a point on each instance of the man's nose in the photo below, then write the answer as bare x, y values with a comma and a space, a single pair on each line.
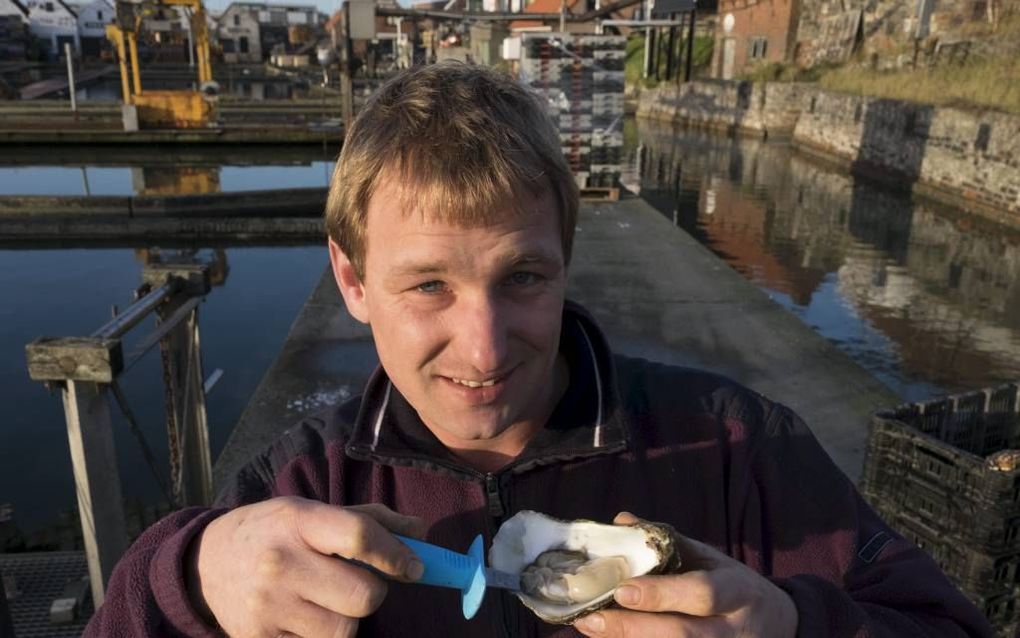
481, 333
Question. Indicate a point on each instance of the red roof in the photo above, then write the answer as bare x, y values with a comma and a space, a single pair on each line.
541, 6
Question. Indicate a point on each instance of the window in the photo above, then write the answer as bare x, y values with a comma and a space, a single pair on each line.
759, 47
242, 45
228, 46
49, 7
99, 16
237, 20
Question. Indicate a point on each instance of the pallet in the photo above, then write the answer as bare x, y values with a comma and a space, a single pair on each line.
600, 194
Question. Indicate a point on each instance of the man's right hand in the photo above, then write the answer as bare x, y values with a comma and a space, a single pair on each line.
271, 568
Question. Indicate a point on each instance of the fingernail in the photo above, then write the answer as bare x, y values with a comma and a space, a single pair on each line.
628, 595
414, 570
593, 622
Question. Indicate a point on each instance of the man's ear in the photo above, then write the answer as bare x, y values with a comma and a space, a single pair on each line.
347, 280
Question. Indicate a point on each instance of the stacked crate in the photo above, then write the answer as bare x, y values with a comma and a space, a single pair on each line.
946, 475
581, 78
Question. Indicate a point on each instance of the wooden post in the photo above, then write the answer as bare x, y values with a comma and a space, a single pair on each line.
185, 382
85, 366
96, 480
187, 387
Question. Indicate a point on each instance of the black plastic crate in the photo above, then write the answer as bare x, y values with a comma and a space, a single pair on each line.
946, 474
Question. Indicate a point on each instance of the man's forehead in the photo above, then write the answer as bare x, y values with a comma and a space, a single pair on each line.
404, 196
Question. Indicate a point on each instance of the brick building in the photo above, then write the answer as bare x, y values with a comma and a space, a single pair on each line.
753, 32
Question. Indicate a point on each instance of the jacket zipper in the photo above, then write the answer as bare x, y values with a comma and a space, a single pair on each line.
497, 511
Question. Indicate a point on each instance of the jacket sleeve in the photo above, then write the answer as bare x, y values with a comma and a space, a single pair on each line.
146, 595
848, 573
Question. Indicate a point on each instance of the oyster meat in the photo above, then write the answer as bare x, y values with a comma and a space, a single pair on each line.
571, 568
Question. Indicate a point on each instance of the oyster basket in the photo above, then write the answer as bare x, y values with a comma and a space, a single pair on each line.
946, 475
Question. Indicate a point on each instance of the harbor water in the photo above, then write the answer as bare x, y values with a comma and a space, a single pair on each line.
922, 296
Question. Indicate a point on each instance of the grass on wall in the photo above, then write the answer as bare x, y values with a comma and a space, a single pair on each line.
983, 81
978, 84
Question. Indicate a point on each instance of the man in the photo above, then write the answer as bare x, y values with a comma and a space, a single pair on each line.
450, 217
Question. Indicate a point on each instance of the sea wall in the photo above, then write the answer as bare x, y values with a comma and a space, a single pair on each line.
734, 107
967, 159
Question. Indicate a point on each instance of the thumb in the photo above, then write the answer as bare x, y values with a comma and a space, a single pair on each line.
626, 518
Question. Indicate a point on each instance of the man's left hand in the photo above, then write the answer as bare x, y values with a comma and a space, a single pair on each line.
716, 596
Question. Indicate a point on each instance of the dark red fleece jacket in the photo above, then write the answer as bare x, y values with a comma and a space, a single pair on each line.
717, 461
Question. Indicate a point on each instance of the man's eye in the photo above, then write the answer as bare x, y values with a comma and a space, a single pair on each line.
430, 287
524, 278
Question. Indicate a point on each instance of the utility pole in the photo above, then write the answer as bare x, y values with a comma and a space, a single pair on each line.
70, 77
646, 70
346, 60
690, 47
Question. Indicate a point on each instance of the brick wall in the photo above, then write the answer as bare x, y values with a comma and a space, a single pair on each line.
762, 32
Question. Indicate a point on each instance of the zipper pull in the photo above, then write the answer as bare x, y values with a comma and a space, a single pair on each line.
492, 496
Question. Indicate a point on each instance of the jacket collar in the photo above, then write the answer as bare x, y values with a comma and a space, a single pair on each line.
586, 422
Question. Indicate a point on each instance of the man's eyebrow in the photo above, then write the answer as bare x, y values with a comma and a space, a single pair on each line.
418, 268
530, 257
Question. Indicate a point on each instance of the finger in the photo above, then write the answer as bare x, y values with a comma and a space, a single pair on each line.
311, 621
696, 593
357, 536
337, 585
620, 623
395, 522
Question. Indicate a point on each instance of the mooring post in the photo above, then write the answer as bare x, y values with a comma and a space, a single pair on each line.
85, 366
185, 380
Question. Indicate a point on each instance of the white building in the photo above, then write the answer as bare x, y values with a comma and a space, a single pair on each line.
92, 20
14, 38
238, 33
248, 31
54, 23
14, 8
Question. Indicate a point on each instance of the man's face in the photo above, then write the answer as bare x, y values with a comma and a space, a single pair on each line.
466, 321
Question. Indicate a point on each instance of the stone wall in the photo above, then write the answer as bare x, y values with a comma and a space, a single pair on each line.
888, 28
970, 160
765, 110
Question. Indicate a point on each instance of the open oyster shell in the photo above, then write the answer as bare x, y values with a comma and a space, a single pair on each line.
649, 548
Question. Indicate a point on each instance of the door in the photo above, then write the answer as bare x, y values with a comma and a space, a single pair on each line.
729, 54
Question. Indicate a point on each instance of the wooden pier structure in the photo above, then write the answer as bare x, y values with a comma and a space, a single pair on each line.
87, 371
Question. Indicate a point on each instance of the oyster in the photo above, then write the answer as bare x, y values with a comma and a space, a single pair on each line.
571, 568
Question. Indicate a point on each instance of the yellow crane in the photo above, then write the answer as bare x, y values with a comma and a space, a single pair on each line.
168, 108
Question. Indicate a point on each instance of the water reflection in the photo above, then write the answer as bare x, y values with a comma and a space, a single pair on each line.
159, 171
926, 299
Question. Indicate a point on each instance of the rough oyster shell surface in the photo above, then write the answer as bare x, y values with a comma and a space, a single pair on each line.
649, 548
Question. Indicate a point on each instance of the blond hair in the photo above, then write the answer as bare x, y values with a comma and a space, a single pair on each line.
464, 141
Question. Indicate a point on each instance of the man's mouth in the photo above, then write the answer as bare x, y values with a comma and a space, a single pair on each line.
476, 384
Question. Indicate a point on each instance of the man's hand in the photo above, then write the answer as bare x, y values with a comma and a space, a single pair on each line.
271, 569
715, 597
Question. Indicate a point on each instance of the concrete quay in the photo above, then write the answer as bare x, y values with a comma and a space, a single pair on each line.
293, 214
657, 293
